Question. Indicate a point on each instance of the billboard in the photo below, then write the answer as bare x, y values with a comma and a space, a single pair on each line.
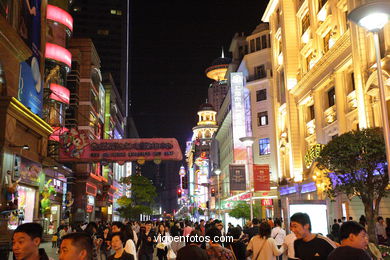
261, 177
30, 81
238, 115
75, 146
237, 177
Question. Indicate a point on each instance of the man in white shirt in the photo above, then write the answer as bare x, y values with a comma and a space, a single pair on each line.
278, 234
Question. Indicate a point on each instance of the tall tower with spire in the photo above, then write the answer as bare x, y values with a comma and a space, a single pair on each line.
218, 88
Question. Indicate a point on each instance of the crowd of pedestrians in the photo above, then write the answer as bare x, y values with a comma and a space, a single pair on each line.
264, 239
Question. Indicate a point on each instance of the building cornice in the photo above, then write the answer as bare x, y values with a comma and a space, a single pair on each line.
269, 10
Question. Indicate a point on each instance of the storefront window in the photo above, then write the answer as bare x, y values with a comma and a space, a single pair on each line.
25, 212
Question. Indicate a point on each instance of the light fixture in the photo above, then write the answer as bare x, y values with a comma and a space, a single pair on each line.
248, 141
24, 147
372, 16
217, 171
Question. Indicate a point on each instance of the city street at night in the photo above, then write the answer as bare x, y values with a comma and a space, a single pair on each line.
205, 130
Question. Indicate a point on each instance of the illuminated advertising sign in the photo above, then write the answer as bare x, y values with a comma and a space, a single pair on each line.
59, 93
238, 115
30, 81
59, 15
75, 146
58, 53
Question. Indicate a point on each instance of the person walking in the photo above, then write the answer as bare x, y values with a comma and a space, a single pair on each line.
278, 234
78, 245
309, 246
238, 247
353, 242
215, 250
262, 246
26, 241
117, 242
162, 243
192, 250
146, 242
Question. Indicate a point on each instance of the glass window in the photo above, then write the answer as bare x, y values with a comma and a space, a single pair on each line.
264, 42
261, 95
262, 118
258, 44
331, 97
264, 146
311, 113
260, 72
305, 23
326, 41
252, 45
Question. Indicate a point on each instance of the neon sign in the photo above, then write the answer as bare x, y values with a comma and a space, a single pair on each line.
59, 93
59, 15
58, 53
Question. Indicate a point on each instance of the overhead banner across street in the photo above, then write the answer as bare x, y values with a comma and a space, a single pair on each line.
77, 147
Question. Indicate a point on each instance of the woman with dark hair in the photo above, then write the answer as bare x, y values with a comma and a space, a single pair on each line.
130, 243
237, 246
91, 229
263, 246
117, 241
162, 243
363, 221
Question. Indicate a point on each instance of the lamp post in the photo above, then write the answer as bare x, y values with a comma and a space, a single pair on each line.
248, 142
373, 17
218, 172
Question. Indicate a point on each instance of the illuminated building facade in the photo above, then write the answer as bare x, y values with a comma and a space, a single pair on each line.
218, 88
33, 38
88, 114
198, 158
325, 78
256, 67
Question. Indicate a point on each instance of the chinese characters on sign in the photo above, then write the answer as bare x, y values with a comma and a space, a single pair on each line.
261, 177
237, 177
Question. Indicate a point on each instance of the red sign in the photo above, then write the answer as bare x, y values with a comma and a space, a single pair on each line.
59, 93
90, 189
60, 16
58, 131
261, 177
77, 147
267, 202
58, 53
89, 208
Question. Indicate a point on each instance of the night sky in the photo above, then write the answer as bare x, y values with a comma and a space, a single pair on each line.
172, 43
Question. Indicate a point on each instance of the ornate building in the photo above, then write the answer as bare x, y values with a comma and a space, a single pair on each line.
326, 84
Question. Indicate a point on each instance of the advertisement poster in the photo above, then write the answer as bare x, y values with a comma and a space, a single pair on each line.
237, 177
261, 177
30, 172
30, 80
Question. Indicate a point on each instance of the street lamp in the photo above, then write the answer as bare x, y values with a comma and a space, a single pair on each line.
373, 17
218, 172
248, 142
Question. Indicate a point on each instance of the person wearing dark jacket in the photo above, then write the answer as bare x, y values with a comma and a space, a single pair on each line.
25, 242
192, 250
237, 246
146, 242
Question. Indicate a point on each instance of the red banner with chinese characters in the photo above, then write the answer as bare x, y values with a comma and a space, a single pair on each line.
261, 177
267, 202
75, 146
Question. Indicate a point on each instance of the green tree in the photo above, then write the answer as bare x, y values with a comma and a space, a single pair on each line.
242, 210
355, 162
143, 194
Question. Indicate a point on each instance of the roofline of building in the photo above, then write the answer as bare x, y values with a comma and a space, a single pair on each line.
269, 10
